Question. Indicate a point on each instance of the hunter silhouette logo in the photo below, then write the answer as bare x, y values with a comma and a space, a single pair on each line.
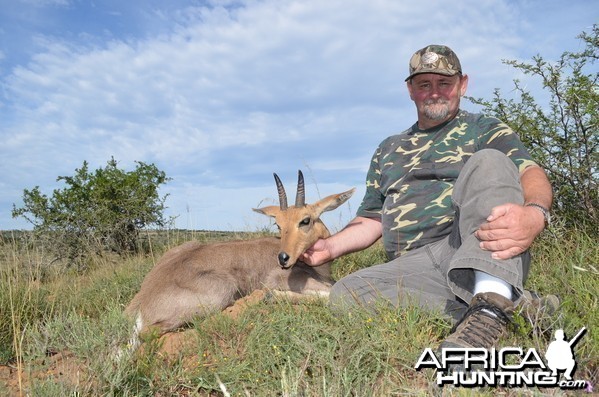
559, 353
509, 366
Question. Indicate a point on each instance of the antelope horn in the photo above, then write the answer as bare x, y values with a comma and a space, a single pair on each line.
282, 194
300, 198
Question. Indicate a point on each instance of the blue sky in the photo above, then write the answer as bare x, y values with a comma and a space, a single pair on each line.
220, 94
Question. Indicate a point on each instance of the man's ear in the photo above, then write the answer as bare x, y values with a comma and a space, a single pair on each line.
409, 84
463, 84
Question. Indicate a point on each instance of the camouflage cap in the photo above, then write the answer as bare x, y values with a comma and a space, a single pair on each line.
434, 58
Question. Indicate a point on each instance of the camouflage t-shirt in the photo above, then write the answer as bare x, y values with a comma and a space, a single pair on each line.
411, 177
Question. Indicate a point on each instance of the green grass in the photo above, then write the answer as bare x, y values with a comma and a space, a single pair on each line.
61, 328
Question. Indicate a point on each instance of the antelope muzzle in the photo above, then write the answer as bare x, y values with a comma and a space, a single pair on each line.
284, 260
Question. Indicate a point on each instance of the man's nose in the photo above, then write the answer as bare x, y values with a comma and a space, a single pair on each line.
435, 91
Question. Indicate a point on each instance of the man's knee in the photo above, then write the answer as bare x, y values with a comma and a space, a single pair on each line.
489, 178
491, 158
491, 164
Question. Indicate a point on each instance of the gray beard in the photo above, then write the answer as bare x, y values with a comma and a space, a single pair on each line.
437, 110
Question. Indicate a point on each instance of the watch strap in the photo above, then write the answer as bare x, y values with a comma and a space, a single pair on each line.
543, 210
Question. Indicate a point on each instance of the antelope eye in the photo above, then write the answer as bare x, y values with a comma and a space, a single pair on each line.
305, 222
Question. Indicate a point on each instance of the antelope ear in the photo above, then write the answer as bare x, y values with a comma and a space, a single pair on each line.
333, 201
271, 210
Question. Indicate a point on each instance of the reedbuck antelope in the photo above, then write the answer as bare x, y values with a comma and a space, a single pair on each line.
195, 279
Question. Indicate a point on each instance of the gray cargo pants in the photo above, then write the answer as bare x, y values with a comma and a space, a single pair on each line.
440, 276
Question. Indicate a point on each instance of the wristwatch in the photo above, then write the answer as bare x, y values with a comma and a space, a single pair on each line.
544, 210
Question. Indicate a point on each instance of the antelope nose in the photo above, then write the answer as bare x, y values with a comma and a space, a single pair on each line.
283, 259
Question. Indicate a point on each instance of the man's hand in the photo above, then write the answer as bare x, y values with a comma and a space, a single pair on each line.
318, 254
510, 230
357, 235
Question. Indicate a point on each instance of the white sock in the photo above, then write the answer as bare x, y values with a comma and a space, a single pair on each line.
484, 282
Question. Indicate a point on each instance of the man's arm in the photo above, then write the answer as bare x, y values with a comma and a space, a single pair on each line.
536, 187
359, 234
511, 228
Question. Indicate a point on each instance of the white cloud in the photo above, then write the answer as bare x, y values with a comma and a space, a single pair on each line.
222, 95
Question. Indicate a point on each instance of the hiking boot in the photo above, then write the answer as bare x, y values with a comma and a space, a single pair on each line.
483, 324
538, 310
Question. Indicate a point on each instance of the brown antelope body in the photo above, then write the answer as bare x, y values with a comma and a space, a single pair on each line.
195, 279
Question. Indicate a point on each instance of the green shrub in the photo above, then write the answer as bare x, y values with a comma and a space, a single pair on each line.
97, 211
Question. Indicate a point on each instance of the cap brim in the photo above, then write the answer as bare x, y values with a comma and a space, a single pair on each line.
434, 71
